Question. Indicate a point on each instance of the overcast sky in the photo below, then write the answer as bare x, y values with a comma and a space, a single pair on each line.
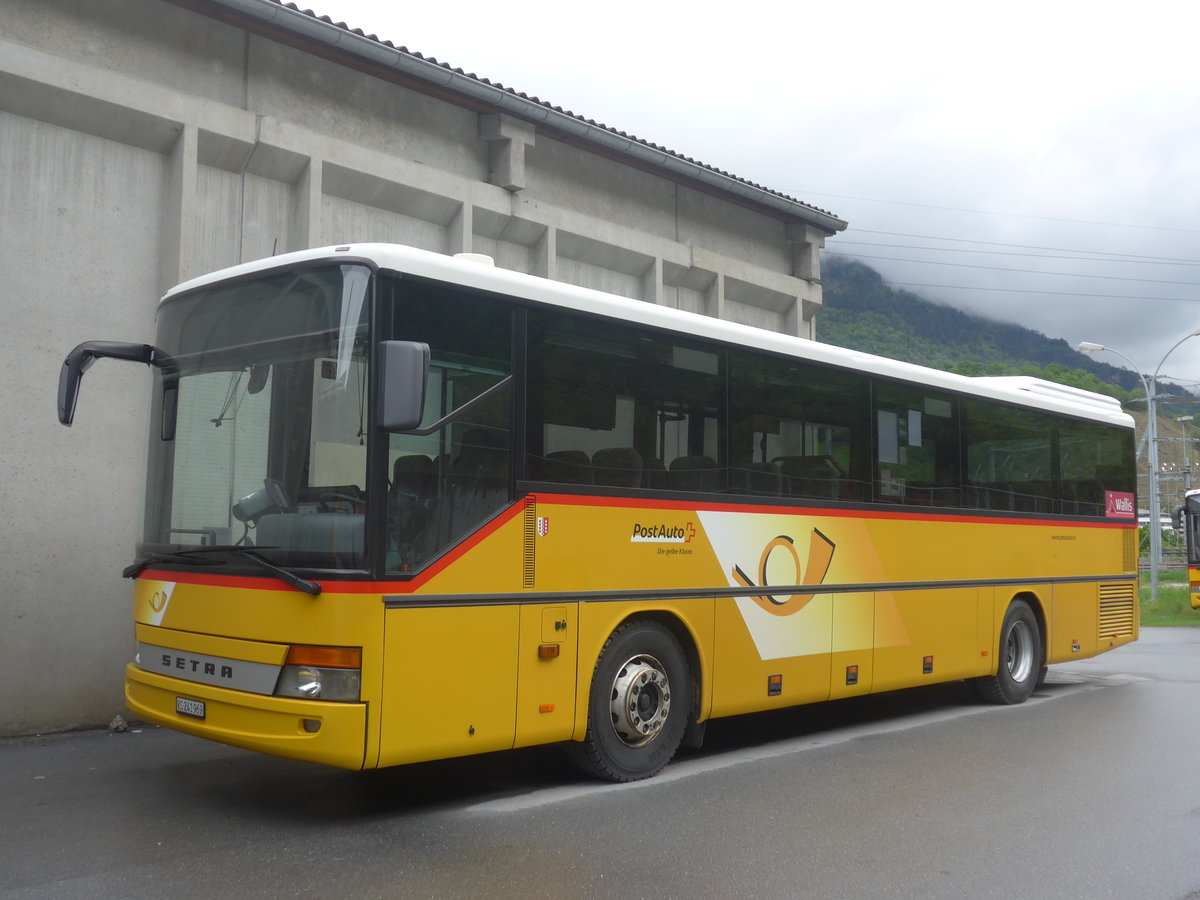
1005, 128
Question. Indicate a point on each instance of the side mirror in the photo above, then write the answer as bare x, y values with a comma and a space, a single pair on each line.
403, 373
83, 356
1177, 518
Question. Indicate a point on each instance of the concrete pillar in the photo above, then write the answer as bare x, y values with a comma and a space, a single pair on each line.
305, 230
652, 282
545, 254
461, 230
714, 300
793, 319
180, 212
809, 310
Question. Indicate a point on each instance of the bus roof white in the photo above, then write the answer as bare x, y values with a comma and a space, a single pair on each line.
1021, 390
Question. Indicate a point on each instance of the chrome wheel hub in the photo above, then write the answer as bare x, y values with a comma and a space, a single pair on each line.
641, 700
1019, 651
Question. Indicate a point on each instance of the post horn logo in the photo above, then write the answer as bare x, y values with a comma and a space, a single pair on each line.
158, 601
820, 555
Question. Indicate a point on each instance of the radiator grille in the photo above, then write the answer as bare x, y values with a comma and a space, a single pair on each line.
1116, 610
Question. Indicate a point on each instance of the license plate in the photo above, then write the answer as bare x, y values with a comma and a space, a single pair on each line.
186, 707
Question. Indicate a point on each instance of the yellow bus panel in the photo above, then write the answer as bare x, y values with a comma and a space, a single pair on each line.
449, 681
254, 722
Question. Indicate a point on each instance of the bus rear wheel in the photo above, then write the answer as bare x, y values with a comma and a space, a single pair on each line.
1021, 664
638, 705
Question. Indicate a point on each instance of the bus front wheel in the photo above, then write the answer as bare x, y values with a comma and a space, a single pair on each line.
1021, 663
638, 705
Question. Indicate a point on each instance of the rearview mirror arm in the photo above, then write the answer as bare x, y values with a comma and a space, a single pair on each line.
465, 408
83, 356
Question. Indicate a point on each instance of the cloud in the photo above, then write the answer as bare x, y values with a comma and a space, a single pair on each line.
1064, 125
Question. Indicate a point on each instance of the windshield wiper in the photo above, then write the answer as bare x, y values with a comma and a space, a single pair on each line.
300, 584
132, 571
248, 553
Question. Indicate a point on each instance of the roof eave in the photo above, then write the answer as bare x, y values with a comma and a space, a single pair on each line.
371, 50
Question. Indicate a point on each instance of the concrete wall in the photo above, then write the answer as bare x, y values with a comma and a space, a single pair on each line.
143, 143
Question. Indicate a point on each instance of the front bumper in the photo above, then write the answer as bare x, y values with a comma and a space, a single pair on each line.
276, 725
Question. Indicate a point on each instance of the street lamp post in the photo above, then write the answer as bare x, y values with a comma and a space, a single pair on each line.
1149, 384
1187, 466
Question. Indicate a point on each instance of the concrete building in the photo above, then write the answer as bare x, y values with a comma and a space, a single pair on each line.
146, 141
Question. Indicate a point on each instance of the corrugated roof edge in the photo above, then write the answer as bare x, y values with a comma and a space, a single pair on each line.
370, 47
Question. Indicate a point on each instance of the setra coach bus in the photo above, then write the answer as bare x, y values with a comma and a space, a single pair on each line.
1186, 520
402, 507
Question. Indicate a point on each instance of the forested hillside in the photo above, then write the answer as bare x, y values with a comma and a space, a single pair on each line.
863, 313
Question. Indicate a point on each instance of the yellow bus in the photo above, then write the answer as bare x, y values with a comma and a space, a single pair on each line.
1186, 519
402, 507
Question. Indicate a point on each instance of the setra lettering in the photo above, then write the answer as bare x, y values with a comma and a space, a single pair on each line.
196, 665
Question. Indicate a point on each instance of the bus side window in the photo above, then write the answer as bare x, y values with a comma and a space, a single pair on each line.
617, 406
917, 446
1091, 462
445, 483
1009, 456
797, 429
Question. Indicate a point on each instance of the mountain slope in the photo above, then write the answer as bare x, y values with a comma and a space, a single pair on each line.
863, 313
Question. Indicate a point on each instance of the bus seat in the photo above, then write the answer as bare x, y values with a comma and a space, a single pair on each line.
330, 498
1031, 496
762, 478
810, 476
567, 467
617, 467
482, 453
694, 473
412, 476
1089, 497
410, 499
654, 474
1069, 497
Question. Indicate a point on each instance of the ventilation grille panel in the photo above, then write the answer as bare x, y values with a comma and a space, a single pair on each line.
1117, 607
528, 563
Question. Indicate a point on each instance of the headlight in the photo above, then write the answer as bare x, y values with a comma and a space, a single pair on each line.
314, 683
321, 673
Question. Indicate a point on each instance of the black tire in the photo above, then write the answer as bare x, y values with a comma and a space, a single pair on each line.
638, 704
1020, 663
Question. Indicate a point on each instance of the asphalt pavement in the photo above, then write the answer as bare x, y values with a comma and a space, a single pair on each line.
1088, 790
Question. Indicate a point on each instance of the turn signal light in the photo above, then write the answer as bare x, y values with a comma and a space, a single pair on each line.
325, 657
321, 673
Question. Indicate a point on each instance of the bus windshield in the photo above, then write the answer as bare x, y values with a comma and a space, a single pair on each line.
269, 414
1191, 527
